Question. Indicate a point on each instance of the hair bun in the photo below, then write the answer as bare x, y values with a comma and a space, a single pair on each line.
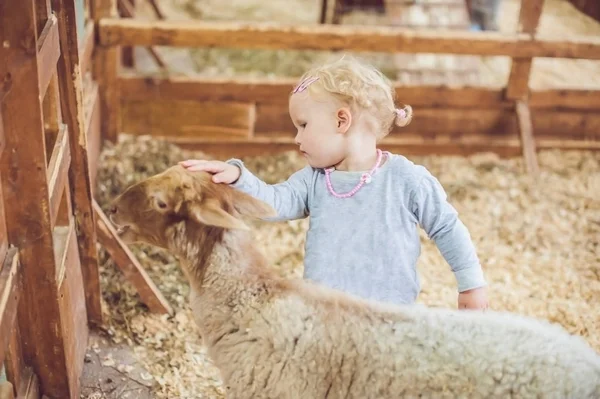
403, 115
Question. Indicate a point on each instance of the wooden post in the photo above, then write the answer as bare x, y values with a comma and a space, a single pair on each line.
106, 66
518, 83
127, 9
79, 175
26, 192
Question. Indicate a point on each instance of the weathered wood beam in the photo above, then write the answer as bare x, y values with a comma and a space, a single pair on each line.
71, 298
10, 290
48, 53
565, 99
129, 265
87, 48
58, 171
526, 134
131, 32
23, 170
518, 81
93, 124
106, 64
140, 88
79, 175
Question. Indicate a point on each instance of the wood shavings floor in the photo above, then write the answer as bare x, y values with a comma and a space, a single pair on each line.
538, 240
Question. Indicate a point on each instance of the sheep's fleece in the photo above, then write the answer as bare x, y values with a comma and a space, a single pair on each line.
307, 341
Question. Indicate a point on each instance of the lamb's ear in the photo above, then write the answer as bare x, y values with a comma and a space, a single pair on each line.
209, 212
249, 206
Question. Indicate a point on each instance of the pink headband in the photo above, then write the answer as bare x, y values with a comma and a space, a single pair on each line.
304, 84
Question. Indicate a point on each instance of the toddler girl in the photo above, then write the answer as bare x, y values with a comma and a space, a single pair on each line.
365, 205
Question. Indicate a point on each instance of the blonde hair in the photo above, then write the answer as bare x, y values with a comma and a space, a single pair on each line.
362, 87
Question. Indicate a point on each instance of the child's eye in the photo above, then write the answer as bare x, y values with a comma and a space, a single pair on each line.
303, 125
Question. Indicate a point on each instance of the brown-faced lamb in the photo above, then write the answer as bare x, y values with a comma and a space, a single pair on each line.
290, 338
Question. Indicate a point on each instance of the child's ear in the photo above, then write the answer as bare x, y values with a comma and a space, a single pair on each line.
344, 120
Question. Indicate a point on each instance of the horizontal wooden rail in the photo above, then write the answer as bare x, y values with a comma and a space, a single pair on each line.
10, 288
58, 170
414, 145
48, 53
140, 88
131, 32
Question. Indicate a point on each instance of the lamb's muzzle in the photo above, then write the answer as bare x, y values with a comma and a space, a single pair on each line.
276, 338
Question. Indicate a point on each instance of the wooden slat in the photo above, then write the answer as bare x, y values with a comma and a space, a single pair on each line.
79, 176
58, 169
566, 124
71, 298
10, 289
189, 118
518, 81
129, 265
93, 134
87, 48
565, 99
105, 65
49, 52
128, 11
15, 365
130, 32
277, 91
2, 138
23, 170
526, 133
3, 232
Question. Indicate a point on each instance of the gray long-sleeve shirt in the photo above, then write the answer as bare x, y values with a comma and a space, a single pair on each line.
368, 244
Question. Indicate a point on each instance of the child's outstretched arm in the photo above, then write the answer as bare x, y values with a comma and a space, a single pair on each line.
440, 221
289, 198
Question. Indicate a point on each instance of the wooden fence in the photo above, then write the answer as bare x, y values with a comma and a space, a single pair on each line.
243, 116
49, 145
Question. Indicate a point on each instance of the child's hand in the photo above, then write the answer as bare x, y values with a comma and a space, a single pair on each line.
473, 299
222, 171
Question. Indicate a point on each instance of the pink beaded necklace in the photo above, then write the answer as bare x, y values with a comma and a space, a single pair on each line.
365, 179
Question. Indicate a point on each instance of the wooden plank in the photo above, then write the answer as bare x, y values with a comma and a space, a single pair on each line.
129, 265
10, 289
565, 99
386, 39
189, 118
526, 134
413, 145
278, 90
58, 169
273, 119
518, 81
71, 299
79, 176
3, 232
48, 53
128, 11
93, 134
28, 216
87, 48
566, 124
2, 138
106, 64
15, 365
462, 146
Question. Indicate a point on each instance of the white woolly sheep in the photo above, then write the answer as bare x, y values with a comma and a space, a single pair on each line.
278, 338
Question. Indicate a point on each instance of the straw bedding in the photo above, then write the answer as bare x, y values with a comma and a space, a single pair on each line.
538, 241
